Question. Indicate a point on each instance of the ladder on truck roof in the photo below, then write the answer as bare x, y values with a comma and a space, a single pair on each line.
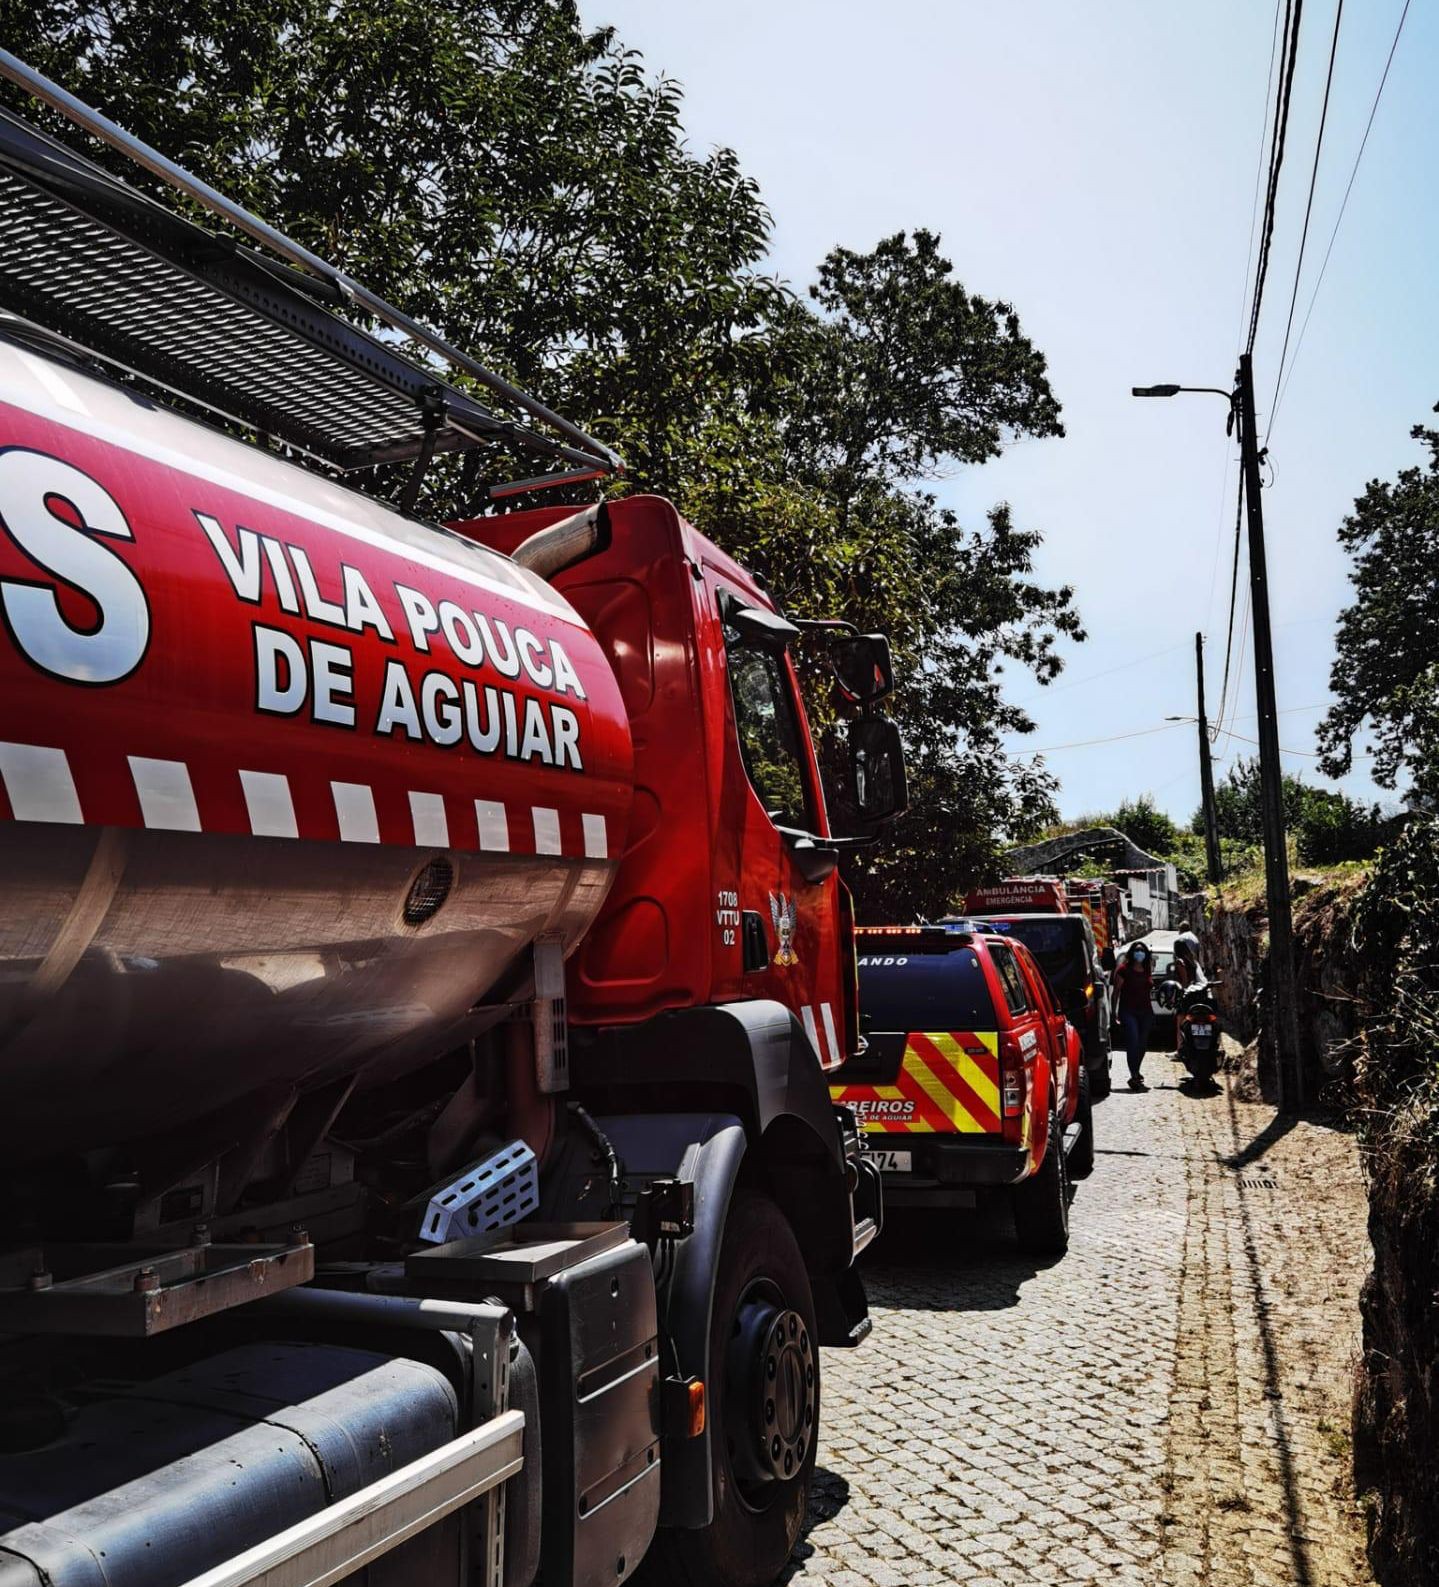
108, 272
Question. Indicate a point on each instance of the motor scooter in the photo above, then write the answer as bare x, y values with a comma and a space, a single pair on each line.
1197, 1027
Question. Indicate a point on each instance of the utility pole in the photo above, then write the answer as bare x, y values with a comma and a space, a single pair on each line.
1283, 993
1206, 775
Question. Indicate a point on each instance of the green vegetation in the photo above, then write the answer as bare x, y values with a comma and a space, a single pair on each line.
525, 186
1328, 827
1385, 674
1385, 668
1328, 830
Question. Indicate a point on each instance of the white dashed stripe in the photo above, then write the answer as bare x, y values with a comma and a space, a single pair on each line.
167, 799
40, 787
547, 831
272, 810
38, 782
827, 1014
427, 811
355, 811
494, 824
806, 1014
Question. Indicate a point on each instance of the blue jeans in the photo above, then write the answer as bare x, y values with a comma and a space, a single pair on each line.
1136, 1028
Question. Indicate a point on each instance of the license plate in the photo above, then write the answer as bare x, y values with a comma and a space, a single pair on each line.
893, 1162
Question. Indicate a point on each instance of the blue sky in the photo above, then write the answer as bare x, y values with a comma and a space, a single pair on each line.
1095, 166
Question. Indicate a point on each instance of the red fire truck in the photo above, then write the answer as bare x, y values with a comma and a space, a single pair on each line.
420, 959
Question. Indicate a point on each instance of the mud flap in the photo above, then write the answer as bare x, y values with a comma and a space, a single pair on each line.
599, 1400
841, 1309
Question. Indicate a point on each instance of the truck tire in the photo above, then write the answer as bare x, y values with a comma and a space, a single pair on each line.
762, 1402
1041, 1202
1081, 1159
1099, 1081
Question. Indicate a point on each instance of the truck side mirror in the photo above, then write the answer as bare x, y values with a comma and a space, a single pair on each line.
876, 759
862, 667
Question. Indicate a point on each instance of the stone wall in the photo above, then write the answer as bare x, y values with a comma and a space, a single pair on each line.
1108, 844
1231, 937
1235, 938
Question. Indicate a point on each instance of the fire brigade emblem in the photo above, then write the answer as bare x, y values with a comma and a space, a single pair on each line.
782, 912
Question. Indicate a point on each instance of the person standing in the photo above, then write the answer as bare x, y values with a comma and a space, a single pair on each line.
1186, 944
1134, 995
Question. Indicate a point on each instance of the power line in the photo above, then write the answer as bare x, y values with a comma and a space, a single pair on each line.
1048, 692
1225, 731
1114, 738
1164, 727
1308, 211
1344, 202
1289, 710
1233, 601
1271, 89
1308, 754
1276, 160
1259, 157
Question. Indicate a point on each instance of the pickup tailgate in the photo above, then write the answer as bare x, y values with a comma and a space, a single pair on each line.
932, 1061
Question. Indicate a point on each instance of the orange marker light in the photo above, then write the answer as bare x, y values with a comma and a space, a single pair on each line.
696, 1424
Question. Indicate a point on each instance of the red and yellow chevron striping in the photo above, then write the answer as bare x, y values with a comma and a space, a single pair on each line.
948, 1083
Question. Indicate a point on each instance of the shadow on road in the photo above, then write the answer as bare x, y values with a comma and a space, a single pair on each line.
1273, 1387
932, 1260
827, 1497
1276, 1129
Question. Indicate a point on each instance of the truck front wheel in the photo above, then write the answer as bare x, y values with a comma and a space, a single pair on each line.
1081, 1159
1041, 1202
1099, 1083
763, 1406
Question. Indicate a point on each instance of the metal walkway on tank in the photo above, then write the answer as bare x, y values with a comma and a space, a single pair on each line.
99, 269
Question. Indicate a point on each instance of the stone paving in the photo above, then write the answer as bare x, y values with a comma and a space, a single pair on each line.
1167, 1406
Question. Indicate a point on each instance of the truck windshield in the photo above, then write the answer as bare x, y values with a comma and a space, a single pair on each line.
924, 991
1058, 945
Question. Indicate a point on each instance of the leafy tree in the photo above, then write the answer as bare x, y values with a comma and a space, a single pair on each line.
1144, 823
495, 170
524, 185
911, 375
1328, 826
1333, 827
1238, 805
1385, 670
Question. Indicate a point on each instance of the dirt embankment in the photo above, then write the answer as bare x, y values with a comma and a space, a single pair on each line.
1393, 940
1367, 964
1235, 937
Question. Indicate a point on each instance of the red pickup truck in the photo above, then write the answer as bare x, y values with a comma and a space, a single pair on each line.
972, 1080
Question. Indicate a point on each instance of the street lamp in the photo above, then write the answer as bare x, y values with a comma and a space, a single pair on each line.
1276, 857
1173, 391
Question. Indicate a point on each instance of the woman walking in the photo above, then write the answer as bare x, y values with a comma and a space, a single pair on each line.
1134, 993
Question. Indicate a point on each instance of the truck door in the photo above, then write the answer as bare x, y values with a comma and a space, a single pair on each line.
1057, 1022
772, 800
1033, 1043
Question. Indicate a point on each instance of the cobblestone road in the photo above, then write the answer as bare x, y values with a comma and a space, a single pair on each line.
1165, 1407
